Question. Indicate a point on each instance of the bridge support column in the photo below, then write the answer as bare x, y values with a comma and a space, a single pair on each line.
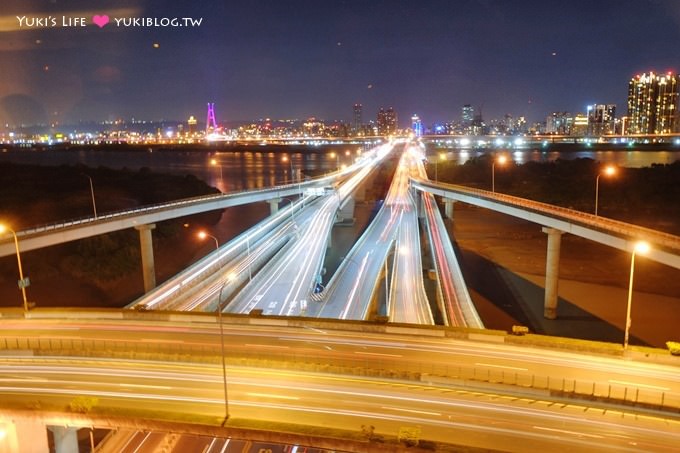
148, 267
448, 207
23, 434
65, 439
420, 208
552, 272
274, 205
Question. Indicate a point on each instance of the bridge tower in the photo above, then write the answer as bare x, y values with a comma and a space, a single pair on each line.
210, 123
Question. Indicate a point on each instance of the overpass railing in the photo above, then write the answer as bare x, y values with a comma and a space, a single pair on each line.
667, 240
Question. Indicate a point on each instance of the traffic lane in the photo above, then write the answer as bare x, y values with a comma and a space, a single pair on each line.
414, 353
440, 412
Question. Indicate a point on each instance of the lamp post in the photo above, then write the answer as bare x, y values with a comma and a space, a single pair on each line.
441, 156
337, 159
292, 208
285, 159
642, 248
203, 235
214, 163
501, 160
224, 364
94, 204
23, 282
609, 170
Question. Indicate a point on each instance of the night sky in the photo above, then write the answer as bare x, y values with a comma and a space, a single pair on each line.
296, 59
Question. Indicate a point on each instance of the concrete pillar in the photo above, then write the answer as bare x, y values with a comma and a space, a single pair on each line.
148, 267
448, 208
360, 193
65, 439
552, 272
274, 205
23, 434
420, 206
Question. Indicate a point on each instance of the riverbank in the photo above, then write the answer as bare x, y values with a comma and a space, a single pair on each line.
99, 271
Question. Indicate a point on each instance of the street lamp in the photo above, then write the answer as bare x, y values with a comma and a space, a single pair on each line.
285, 159
501, 160
94, 204
214, 163
202, 235
442, 156
23, 282
292, 208
642, 248
337, 159
609, 170
224, 364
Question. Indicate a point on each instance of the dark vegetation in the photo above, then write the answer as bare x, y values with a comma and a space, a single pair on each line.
35, 195
647, 196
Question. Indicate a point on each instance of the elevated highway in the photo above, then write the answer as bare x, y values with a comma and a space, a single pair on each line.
665, 248
486, 390
71, 230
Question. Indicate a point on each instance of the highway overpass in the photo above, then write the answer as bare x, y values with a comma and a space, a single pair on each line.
483, 388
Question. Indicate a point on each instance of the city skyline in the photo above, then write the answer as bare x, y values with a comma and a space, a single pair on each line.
302, 59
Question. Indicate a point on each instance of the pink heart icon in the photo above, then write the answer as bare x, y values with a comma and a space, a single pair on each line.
100, 21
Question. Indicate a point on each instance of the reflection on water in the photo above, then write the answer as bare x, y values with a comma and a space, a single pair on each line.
622, 158
226, 170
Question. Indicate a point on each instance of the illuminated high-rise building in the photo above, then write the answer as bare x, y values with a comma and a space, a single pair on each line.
356, 119
416, 125
601, 119
387, 121
467, 118
191, 122
467, 115
579, 125
653, 104
559, 123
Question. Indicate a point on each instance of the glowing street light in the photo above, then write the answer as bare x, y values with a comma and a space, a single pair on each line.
285, 159
642, 248
609, 170
501, 160
442, 156
23, 282
337, 159
215, 163
203, 235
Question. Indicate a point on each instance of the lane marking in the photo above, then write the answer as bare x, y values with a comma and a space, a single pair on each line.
436, 414
271, 346
143, 386
502, 366
378, 354
564, 431
267, 395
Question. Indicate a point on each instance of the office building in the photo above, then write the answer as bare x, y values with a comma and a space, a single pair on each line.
387, 121
601, 119
357, 121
